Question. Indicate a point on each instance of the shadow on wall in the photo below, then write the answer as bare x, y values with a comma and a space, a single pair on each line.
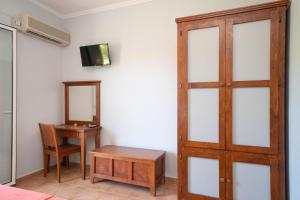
171, 158
108, 138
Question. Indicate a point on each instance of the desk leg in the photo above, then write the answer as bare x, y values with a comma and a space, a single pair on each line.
97, 139
65, 162
83, 154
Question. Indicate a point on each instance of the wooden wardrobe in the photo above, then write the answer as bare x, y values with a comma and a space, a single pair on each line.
231, 104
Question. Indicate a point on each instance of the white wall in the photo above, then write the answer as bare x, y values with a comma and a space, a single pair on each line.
294, 100
39, 90
138, 91
39, 98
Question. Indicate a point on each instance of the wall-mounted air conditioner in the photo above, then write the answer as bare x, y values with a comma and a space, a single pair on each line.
40, 29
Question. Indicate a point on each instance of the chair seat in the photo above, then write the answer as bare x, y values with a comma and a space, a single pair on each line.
67, 149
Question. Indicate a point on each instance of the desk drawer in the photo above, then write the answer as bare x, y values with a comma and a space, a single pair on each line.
69, 134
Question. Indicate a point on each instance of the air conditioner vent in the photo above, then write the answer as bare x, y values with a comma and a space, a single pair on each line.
43, 37
37, 28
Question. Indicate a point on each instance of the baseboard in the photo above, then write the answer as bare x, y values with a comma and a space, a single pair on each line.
22, 177
32, 173
171, 179
29, 174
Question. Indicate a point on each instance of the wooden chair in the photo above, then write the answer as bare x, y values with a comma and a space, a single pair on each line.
51, 147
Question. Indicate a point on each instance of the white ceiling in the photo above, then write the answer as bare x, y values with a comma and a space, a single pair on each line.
74, 8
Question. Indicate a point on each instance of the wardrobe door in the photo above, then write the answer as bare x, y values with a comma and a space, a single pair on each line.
251, 176
7, 105
205, 174
201, 78
252, 82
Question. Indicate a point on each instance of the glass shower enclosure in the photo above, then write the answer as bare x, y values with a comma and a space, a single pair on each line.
7, 105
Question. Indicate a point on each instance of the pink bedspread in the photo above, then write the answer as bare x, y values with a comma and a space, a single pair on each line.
11, 193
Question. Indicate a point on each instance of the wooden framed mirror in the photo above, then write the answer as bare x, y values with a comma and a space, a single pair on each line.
82, 102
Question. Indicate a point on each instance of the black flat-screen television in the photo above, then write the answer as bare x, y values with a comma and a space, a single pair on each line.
95, 55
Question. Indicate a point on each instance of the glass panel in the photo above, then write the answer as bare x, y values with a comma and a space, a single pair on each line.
251, 51
251, 181
203, 176
203, 115
82, 103
251, 116
6, 75
203, 55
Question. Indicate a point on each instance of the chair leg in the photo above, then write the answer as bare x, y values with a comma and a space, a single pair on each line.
48, 163
80, 161
64, 162
58, 168
68, 162
45, 164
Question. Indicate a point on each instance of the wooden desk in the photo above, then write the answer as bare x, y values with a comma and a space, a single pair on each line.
82, 133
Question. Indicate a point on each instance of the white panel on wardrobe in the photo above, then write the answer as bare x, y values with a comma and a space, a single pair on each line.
251, 181
203, 55
251, 51
251, 116
203, 176
203, 115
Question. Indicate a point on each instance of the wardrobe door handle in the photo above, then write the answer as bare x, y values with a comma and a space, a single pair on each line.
222, 180
228, 180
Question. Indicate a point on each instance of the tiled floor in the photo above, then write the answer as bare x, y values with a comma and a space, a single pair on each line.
72, 187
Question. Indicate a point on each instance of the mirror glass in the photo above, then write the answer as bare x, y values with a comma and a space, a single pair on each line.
6, 95
82, 103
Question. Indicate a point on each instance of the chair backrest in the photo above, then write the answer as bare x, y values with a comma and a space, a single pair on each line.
48, 134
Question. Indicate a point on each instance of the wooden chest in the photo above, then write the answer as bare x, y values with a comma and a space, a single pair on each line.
134, 166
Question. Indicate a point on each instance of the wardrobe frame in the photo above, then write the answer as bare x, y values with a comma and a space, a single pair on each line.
224, 151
